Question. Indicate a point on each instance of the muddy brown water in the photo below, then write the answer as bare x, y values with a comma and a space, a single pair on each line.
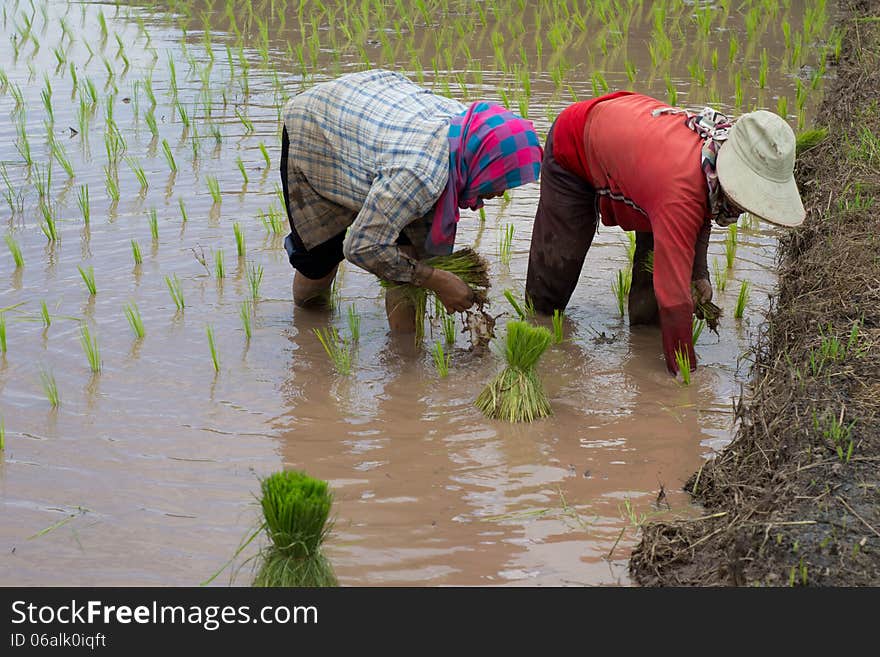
147, 473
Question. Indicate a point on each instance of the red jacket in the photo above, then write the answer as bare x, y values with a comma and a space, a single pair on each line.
647, 173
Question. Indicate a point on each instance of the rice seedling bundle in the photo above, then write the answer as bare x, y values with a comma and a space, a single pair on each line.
295, 511
516, 393
465, 263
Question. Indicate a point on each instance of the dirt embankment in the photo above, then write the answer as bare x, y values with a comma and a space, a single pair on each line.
795, 498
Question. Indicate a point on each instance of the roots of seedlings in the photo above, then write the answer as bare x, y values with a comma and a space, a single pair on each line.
514, 395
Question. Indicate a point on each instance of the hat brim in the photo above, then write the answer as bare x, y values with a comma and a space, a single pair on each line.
778, 203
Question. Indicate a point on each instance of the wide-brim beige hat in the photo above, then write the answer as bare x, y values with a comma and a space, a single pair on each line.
755, 167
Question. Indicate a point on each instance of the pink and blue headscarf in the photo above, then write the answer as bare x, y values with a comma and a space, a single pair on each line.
490, 150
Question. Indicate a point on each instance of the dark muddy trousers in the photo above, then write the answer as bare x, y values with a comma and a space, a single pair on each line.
565, 222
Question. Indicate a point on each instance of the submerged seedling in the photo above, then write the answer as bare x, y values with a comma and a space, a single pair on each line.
82, 200
214, 188
441, 359
558, 319
246, 312
505, 243
337, 349
683, 361
15, 251
90, 347
239, 239
730, 244
215, 359
44, 314
133, 315
175, 290
524, 311
50, 388
354, 323
136, 252
620, 287
2, 333
88, 276
742, 299
254, 278
219, 268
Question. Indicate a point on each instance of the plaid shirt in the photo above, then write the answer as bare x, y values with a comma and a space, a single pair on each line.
369, 152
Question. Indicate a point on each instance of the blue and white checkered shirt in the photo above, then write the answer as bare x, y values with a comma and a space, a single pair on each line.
368, 152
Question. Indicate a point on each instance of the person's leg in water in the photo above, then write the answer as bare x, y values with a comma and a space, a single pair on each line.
315, 268
399, 305
565, 223
642, 303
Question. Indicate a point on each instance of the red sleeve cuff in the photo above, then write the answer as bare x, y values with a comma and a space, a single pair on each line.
677, 334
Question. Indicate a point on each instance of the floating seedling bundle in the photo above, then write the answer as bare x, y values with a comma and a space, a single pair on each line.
295, 510
465, 263
516, 393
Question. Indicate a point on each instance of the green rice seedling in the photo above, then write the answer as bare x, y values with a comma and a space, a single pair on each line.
44, 314
516, 393
15, 251
140, 174
620, 287
61, 157
245, 121
153, 220
683, 361
558, 318
239, 239
214, 188
169, 156
150, 119
505, 243
82, 200
23, 145
90, 347
240, 163
182, 207
730, 244
212, 345
246, 313
136, 252
88, 276
184, 116
219, 268
337, 349
133, 315
742, 299
441, 359
2, 435
112, 185
630, 246
354, 323
448, 322
175, 290
254, 278
2, 333
266, 157
295, 511
697, 326
50, 388
720, 275
522, 310
810, 139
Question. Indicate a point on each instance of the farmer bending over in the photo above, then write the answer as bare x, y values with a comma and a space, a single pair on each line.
665, 173
374, 170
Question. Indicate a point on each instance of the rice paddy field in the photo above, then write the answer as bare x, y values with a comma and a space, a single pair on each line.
153, 368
